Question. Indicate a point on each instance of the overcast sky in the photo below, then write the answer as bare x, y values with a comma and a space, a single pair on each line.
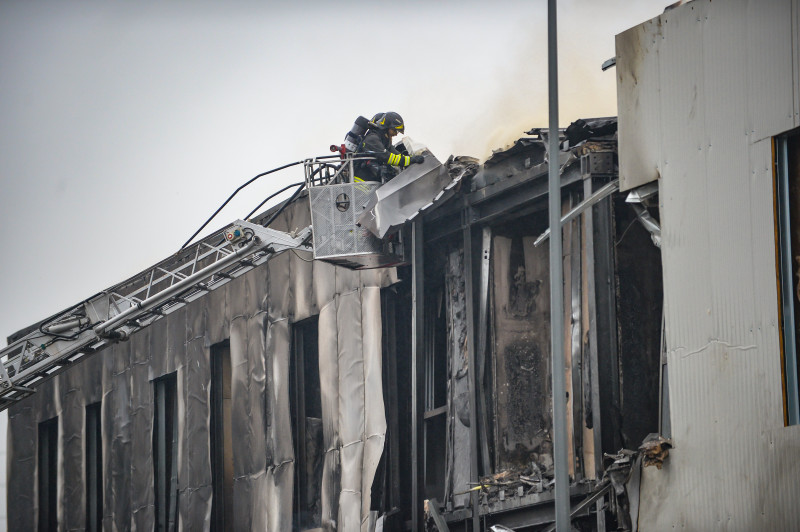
123, 125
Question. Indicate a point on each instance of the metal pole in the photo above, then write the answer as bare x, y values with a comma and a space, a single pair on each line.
417, 375
556, 286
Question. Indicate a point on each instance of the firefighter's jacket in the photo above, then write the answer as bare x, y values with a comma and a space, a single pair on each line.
378, 144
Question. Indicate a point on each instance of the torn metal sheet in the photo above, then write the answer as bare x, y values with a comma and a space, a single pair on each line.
648, 222
581, 130
601, 193
619, 473
642, 193
414, 190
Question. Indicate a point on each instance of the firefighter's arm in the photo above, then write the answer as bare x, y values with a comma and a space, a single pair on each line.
373, 147
398, 159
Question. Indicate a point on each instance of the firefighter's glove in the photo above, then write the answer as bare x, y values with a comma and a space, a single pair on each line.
417, 159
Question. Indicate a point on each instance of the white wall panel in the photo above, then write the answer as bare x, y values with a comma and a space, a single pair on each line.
637, 101
770, 67
728, 83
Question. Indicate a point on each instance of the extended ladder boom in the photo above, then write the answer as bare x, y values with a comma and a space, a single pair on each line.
115, 314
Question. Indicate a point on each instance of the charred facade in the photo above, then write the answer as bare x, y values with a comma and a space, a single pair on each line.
306, 395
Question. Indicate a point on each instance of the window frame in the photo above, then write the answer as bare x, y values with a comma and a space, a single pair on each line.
787, 306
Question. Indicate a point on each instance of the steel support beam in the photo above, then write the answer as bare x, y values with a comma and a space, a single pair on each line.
588, 252
469, 282
482, 352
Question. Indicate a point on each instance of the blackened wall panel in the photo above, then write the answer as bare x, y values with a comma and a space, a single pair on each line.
142, 415
194, 466
72, 435
521, 347
458, 419
117, 417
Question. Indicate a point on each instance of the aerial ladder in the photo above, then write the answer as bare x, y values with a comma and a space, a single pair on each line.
113, 315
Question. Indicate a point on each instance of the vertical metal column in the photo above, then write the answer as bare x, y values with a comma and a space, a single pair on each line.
417, 374
556, 286
594, 371
473, 382
481, 350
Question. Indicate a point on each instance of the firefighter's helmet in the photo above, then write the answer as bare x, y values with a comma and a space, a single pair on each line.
390, 120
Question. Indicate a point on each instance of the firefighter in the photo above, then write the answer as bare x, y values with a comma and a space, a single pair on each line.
378, 143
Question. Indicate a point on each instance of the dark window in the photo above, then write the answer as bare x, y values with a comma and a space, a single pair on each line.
391, 489
221, 439
306, 402
165, 452
48, 475
788, 216
639, 308
94, 469
436, 381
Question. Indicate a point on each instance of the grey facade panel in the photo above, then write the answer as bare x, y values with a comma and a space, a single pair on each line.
638, 106
254, 313
727, 84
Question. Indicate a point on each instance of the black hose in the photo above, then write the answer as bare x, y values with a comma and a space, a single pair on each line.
234, 193
285, 204
287, 187
250, 181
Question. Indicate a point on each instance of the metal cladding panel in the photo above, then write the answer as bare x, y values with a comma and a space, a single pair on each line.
773, 80
458, 424
684, 156
727, 85
254, 312
142, 498
329, 391
638, 105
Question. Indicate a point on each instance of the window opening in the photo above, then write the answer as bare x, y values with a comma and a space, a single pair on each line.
48, 475
306, 411
435, 413
391, 489
787, 177
221, 439
94, 469
165, 452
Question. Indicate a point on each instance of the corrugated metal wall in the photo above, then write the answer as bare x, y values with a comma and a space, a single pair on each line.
702, 90
254, 313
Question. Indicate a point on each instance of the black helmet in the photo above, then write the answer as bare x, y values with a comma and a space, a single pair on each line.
390, 120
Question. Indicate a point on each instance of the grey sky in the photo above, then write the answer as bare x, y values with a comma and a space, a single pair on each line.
123, 125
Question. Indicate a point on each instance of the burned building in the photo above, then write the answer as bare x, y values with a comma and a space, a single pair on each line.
304, 395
